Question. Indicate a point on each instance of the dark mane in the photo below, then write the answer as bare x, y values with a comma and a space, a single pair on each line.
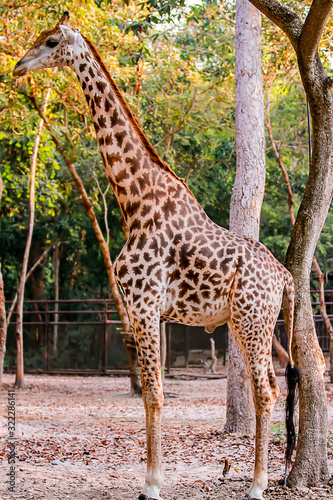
149, 148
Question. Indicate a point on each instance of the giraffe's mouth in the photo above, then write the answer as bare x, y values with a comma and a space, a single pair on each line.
17, 71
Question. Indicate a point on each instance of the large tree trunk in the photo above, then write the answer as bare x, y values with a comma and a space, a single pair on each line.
310, 467
249, 186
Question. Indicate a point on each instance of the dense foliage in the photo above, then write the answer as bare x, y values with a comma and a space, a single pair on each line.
178, 78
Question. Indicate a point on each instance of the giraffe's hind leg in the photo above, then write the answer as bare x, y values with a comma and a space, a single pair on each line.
254, 342
265, 392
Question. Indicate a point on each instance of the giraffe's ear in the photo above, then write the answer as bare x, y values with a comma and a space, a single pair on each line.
68, 33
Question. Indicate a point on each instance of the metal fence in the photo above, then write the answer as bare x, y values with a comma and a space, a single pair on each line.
323, 337
84, 336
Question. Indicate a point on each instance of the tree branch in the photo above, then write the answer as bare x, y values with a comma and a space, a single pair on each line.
16, 6
281, 165
180, 124
103, 195
182, 121
315, 263
226, 18
284, 17
31, 270
313, 28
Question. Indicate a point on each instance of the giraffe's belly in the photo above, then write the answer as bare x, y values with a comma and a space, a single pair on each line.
209, 314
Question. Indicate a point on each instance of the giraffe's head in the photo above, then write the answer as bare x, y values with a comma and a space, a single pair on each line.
53, 48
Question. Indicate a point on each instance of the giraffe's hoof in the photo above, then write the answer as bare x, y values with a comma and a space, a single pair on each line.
144, 497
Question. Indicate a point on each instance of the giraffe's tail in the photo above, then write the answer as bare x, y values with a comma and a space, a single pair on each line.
293, 374
288, 308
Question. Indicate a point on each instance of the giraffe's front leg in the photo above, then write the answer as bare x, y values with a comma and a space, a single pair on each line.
147, 339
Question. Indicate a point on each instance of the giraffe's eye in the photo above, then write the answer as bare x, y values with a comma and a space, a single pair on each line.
51, 43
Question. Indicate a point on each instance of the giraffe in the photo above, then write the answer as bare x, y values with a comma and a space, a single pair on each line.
176, 263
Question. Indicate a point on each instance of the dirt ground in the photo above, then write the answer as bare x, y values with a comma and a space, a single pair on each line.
84, 438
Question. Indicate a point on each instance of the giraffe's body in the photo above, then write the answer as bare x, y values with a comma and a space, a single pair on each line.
176, 264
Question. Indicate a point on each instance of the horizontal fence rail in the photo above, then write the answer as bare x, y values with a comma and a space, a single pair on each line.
85, 336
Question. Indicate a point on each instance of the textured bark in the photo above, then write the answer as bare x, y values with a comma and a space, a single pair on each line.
249, 186
3, 327
129, 344
19, 381
310, 467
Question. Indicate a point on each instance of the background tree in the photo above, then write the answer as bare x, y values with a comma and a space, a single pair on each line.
3, 325
186, 107
19, 381
104, 248
248, 191
57, 208
310, 466
305, 39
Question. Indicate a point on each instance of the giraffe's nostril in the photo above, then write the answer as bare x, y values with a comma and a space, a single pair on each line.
17, 71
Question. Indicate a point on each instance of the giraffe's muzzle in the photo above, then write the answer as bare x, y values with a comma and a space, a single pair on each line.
17, 71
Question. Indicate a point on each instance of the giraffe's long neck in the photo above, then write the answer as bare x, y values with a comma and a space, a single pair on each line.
143, 189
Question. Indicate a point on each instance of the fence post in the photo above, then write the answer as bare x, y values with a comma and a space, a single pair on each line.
105, 336
46, 336
169, 346
187, 354
225, 337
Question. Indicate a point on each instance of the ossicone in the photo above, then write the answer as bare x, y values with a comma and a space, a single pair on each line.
64, 18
